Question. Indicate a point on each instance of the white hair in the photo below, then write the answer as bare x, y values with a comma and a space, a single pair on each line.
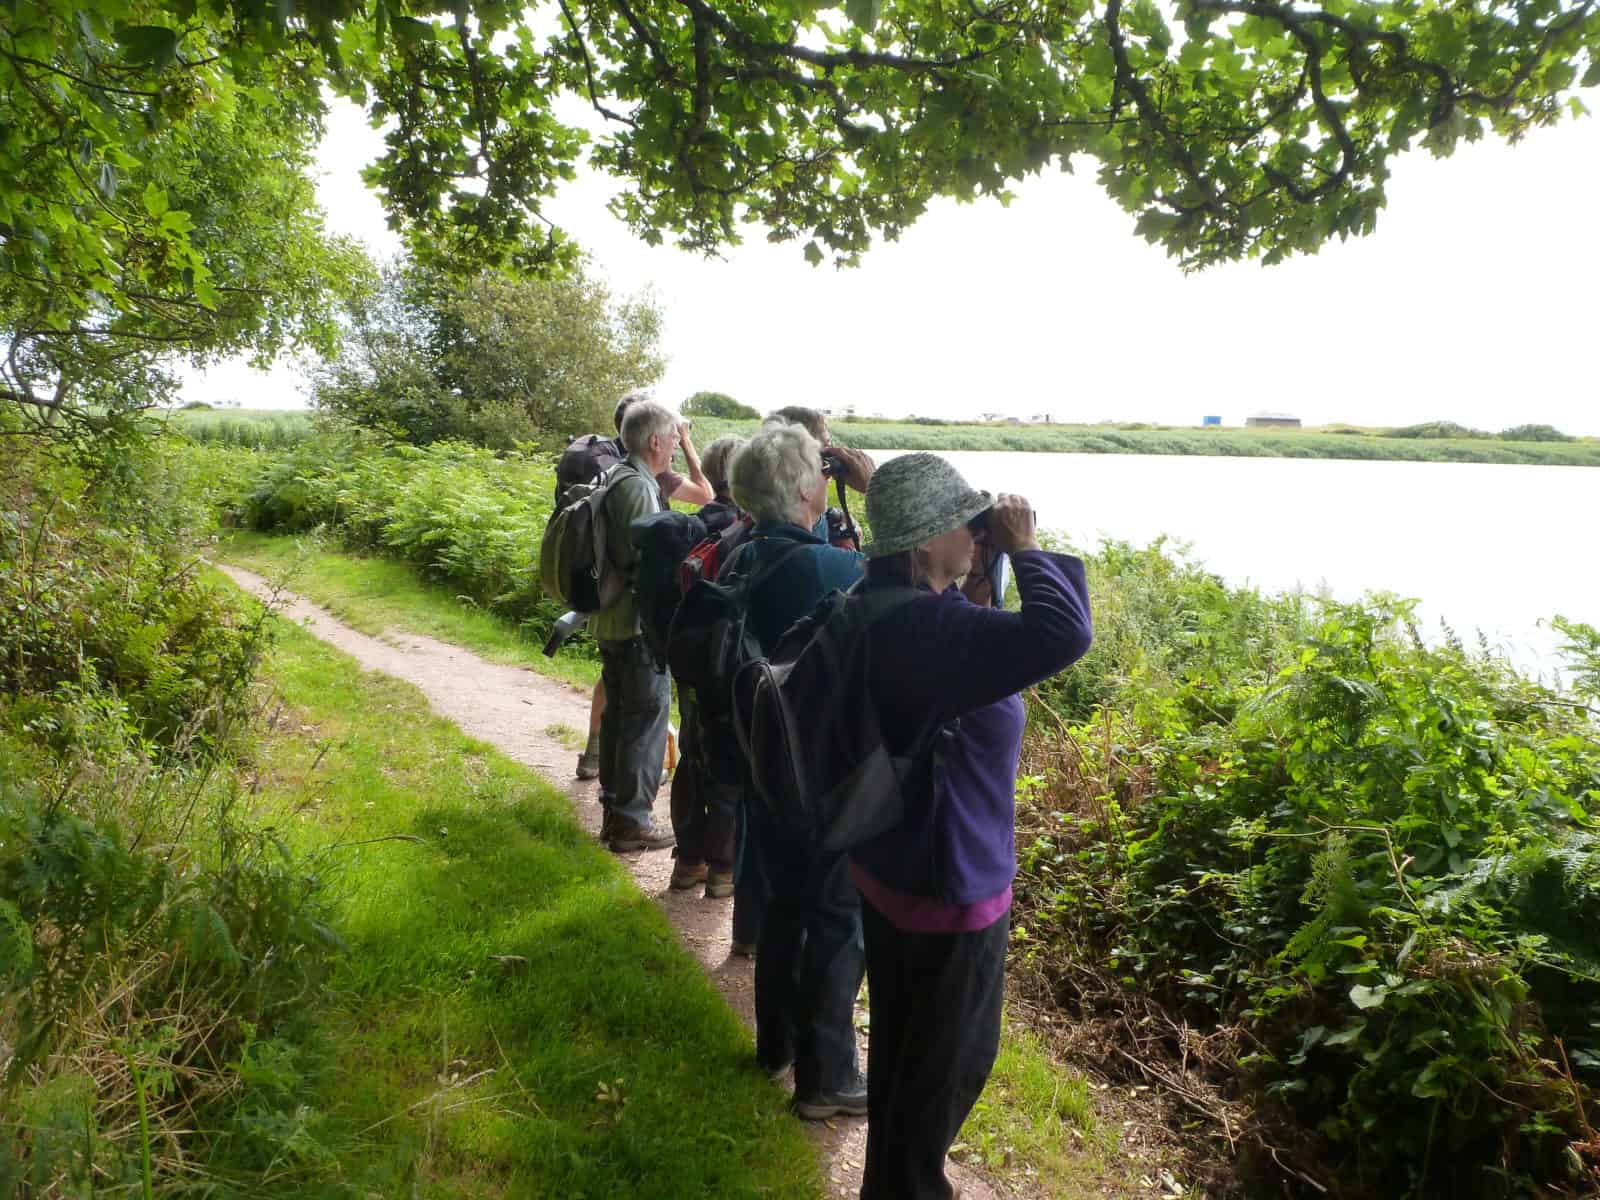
769, 472
644, 419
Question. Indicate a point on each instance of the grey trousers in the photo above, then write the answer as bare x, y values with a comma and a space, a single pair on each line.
633, 729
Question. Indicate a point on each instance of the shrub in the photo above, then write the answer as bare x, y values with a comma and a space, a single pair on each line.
1435, 429
155, 947
460, 514
1535, 433
1365, 861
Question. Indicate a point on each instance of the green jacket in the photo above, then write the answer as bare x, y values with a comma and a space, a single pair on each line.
632, 496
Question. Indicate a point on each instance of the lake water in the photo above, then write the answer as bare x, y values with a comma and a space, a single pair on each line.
1494, 548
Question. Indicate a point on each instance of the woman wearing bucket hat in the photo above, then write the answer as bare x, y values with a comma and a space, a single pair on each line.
936, 890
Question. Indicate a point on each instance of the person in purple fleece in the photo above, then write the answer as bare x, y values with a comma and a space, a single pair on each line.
936, 889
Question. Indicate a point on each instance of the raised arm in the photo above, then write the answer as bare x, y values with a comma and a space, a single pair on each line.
946, 656
697, 489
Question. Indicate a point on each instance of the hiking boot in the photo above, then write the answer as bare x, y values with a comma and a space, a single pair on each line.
776, 1071
629, 835
719, 884
607, 824
588, 765
849, 1101
686, 874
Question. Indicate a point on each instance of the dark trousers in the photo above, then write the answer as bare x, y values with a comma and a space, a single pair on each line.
702, 807
750, 888
633, 729
935, 1032
809, 962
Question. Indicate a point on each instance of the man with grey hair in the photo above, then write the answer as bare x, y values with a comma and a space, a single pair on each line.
696, 489
633, 727
809, 958
851, 467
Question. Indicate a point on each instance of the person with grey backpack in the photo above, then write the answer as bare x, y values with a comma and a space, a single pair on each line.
633, 728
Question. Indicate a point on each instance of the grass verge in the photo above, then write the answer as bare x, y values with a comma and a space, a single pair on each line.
513, 1018
371, 594
1036, 1125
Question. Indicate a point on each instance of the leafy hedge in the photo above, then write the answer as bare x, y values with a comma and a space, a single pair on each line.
1371, 864
156, 946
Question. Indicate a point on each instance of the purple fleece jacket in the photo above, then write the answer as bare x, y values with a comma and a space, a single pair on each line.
943, 659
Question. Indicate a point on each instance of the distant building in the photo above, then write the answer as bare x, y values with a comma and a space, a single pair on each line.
1272, 421
1209, 422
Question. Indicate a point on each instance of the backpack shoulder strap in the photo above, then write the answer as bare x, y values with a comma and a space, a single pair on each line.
770, 568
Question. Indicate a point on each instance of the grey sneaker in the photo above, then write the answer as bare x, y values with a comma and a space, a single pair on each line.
588, 765
629, 835
849, 1101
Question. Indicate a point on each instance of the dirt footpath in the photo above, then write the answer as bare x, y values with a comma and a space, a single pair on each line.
522, 714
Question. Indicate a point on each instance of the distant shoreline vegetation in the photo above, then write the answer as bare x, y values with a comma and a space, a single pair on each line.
1534, 445
1435, 442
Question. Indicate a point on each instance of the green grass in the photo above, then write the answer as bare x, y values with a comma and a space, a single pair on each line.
1034, 1119
372, 593
1238, 443
513, 1018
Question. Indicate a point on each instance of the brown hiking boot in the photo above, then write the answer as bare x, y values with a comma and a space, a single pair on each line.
686, 874
719, 884
629, 835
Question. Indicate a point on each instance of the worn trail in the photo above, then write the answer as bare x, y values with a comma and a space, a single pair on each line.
531, 718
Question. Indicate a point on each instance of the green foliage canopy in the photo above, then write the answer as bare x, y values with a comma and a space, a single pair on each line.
488, 358
155, 202
1230, 127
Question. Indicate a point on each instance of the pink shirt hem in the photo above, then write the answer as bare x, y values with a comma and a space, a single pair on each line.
922, 914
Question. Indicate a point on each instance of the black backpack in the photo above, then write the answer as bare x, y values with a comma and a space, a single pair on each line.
818, 763
585, 460
710, 639
663, 540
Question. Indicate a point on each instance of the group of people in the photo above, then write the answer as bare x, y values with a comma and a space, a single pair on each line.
920, 911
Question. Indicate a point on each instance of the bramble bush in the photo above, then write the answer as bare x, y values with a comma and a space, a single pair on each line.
1372, 860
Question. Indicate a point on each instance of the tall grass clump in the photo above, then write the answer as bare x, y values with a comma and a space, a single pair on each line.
462, 515
155, 945
254, 429
1352, 873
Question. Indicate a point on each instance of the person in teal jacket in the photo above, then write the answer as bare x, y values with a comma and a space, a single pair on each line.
809, 956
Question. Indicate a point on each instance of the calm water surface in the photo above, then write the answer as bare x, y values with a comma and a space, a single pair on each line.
1494, 548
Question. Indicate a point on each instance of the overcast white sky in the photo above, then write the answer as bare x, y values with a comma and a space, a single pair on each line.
1474, 301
